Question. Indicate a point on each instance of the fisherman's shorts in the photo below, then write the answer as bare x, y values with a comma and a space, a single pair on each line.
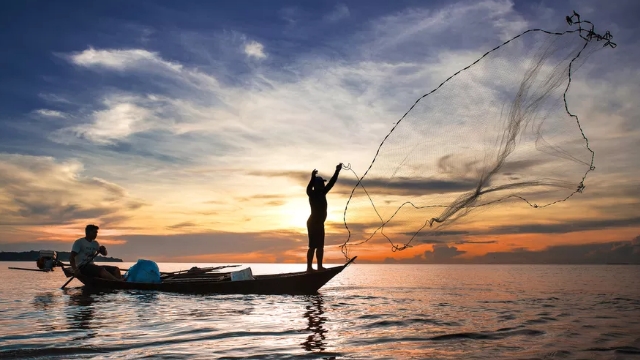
315, 229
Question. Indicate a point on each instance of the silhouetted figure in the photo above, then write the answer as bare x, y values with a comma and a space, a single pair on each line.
317, 192
81, 257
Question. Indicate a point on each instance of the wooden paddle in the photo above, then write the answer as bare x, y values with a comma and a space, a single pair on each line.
80, 267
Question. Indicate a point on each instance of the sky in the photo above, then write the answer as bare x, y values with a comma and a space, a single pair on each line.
188, 130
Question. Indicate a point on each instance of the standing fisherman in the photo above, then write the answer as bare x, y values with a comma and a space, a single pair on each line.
317, 192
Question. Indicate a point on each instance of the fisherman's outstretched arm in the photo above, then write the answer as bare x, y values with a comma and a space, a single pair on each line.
333, 179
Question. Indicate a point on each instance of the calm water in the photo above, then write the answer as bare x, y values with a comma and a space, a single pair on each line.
368, 311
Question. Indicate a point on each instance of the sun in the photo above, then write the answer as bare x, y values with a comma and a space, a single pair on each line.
294, 214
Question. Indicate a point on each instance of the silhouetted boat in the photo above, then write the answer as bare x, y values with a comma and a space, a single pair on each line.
295, 283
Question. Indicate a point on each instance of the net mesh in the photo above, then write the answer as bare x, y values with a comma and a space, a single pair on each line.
500, 129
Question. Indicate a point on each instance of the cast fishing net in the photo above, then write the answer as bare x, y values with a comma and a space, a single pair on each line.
497, 131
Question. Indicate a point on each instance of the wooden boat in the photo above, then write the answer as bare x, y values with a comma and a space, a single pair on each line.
296, 283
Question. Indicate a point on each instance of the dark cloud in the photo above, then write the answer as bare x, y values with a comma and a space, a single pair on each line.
353, 227
418, 259
460, 242
428, 238
298, 176
564, 227
274, 197
603, 253
395, 186
517, 166
135, 204
627, 252
132, 147
45, 211
450, 233
155, 247
429, 241
442, 253
182, 225
275, 203
182, 245
113, 221
441, 233
407, 186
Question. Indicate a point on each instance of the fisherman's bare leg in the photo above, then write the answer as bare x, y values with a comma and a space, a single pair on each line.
113, 270
104, 274
319, 256
310, 259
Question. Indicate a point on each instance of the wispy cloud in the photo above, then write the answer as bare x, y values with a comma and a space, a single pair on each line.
39, 190
116, 59
50, 113
121, 118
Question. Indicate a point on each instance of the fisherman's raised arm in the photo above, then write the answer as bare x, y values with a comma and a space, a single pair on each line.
333, 179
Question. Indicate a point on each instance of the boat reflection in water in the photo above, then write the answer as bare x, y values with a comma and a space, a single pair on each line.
315, 324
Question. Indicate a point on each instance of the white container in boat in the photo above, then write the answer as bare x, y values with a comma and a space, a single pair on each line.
240, 275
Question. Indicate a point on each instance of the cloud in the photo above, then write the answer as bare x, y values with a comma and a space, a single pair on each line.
121, 118
395, 186
255, 49
448, 233
429, 241
50, 113
185, 224
41, 191
411, 187
442, 253
446, 237
340, 11
121, 59
182, 245
461, 242
563, 227
593, 253
54, 98
602, 253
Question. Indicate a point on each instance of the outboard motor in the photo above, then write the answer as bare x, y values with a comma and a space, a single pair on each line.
48, 260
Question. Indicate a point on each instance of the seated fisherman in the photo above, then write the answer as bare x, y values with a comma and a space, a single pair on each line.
82, 254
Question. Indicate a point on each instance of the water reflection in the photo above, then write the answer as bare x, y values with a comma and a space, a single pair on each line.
145, 304
80, 312
43, 301
44, 304
315, 324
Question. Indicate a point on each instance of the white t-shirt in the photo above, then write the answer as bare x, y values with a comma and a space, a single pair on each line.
85, 250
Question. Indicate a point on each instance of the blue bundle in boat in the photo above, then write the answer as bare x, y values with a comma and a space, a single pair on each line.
144, 271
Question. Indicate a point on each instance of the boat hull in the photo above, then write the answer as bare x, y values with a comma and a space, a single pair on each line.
299, 283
